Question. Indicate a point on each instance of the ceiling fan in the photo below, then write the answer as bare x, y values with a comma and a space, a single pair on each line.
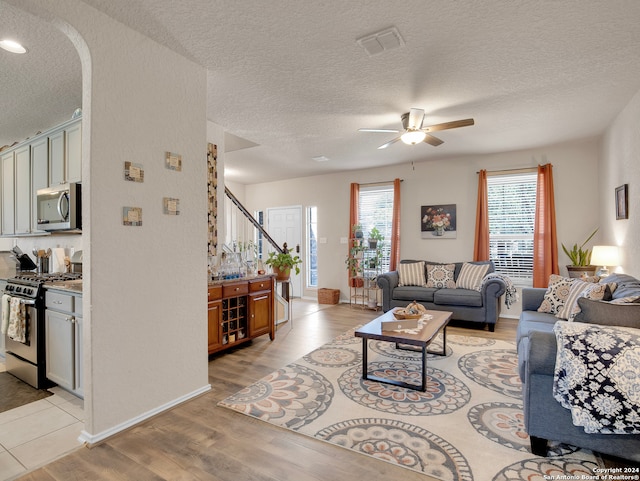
415, 133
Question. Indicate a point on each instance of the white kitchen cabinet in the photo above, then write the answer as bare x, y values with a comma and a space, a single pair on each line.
56, 158
18, 196
73, 152
63, 334
23, 193
8, 192
50, 159
39, 174
65, 154
60, 333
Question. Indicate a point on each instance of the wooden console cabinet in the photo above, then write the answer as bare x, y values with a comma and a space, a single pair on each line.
240, 310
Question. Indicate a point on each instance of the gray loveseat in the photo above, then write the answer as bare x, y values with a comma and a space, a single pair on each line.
481, 306
545, 419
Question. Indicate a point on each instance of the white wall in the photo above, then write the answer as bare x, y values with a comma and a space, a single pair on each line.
145, 302
451, 181
620, 164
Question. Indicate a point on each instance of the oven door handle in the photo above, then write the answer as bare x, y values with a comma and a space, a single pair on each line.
29, 302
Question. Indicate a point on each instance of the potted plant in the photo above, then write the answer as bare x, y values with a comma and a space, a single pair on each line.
282, 263
357, 231
354, 265
580, 259
375, 236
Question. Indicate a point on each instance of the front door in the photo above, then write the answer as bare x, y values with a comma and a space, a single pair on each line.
284, 225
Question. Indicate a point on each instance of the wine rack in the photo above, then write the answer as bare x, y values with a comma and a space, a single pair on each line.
234, 319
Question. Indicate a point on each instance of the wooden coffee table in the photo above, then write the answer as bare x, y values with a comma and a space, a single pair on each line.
416, 342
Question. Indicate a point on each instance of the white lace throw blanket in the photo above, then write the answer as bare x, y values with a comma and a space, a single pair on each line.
597, 377
511, 294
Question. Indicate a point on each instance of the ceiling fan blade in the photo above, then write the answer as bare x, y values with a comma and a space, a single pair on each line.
415, 119
449, 125
431, 140
391, 142
379, 130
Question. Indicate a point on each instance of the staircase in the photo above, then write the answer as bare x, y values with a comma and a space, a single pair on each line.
246, 230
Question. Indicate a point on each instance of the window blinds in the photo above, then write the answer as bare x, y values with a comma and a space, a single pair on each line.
512, 203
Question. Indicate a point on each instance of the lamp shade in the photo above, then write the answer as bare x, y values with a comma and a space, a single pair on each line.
605, 256
413, 137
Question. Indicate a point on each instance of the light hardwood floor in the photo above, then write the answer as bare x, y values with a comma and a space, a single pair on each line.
200, 441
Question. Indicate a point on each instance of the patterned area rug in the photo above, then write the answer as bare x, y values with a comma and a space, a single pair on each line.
467, 426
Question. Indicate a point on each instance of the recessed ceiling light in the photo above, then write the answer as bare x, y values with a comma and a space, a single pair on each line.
12, 46
320, 158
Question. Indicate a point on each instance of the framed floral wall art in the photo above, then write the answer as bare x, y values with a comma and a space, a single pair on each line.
438, 221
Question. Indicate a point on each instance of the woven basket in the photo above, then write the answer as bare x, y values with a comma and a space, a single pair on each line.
328, 296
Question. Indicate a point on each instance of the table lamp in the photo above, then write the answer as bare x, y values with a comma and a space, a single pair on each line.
605, 256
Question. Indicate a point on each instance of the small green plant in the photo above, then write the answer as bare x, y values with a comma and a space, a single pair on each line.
375, 234
283, 261
357, 231
578, 255
354, 266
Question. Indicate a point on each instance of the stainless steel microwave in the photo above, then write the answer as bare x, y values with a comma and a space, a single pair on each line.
60, 207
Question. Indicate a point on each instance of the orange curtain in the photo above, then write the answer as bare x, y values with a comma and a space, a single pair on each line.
481, 244
545, 242
353, 214
394, 257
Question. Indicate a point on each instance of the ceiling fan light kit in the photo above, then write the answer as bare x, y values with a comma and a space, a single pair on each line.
415, 133
413, 137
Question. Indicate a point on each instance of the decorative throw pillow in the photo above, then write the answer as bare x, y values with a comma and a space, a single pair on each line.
441, 275
626, 300
579, 289
412, 274
471, 276
556, 294
608, 313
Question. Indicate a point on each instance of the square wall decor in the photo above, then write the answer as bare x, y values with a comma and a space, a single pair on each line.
438, 221
173, 161
132, 216
171, 205
133, 172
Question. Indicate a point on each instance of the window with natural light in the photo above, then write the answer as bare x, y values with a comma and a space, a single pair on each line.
375, 209
512, 205
312, 248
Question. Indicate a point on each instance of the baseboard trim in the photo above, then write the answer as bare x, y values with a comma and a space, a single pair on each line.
92, 439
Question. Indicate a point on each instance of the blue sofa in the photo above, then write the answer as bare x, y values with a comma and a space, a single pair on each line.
544, 418
465, 304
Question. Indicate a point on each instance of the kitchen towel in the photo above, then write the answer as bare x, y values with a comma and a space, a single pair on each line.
6, 298
17, 329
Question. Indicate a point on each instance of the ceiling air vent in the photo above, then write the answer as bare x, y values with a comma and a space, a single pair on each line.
376, 43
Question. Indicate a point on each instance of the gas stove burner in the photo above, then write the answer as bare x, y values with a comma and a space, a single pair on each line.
60, 276
49, 277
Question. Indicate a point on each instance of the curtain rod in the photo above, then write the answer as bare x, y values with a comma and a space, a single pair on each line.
382, 182
525, 170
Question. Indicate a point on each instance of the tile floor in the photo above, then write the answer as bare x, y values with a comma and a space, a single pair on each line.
39, 432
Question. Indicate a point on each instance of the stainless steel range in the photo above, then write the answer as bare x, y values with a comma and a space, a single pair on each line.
27, 360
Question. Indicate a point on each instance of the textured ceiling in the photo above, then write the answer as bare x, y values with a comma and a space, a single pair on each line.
288, 75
